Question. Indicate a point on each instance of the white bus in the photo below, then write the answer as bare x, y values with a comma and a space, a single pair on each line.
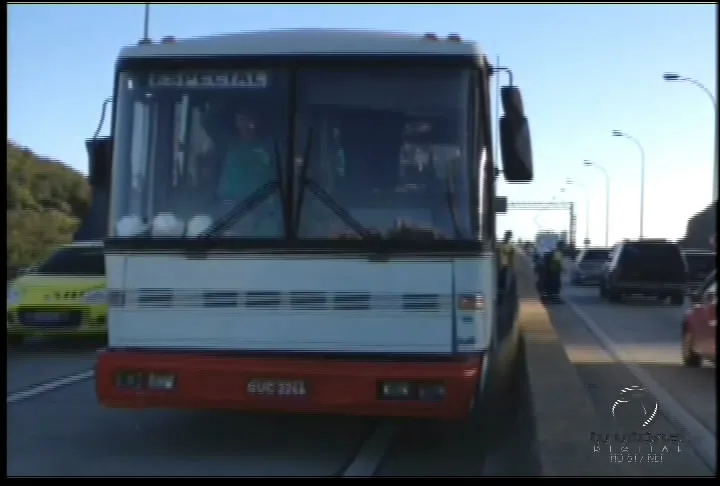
303, 221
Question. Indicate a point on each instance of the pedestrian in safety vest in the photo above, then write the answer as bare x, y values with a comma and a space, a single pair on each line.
558, 257
551, 273
507, 251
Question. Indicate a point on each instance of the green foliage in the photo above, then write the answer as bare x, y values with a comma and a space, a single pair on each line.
46, 200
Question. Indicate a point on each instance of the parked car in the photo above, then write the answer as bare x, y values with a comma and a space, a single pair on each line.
649, 267
699, 325
60, 296
588, 266
701, 263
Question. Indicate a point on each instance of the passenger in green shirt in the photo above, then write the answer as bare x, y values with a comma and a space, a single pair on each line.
245, 167
247, 164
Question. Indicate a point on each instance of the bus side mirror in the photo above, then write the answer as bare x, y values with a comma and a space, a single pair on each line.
515, 142
99, 161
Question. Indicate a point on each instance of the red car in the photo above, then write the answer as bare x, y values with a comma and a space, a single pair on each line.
699, 325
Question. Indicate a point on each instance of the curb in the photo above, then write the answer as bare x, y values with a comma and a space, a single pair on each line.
562, 410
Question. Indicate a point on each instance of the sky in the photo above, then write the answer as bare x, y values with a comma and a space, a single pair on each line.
584, 70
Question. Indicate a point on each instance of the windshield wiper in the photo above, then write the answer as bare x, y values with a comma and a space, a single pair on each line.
408, 231
450, 199
244, 207
323, 196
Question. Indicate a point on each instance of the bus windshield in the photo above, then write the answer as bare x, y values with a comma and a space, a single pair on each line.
190, 145
388, 146
378, 152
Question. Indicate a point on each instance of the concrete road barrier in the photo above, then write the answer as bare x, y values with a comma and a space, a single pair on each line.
562, 409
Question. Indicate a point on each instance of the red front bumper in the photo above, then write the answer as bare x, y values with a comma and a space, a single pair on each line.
334, 387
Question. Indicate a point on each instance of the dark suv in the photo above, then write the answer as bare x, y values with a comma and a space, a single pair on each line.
701, 263
654, 268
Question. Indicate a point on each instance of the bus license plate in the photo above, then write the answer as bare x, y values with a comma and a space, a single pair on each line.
277, 388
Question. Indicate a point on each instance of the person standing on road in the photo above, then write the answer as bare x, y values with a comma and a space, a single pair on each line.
552, 269
506, 260
507, 251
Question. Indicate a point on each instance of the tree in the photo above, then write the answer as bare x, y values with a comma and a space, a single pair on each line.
46, 200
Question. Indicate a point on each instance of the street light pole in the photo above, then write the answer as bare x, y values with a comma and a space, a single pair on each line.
675, 77
590, 163
571, 182
618, 133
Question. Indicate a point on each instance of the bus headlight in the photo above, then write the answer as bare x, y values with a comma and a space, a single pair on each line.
431, 392
395, 390
161, 381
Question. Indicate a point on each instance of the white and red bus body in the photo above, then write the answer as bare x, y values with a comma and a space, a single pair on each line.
300, 322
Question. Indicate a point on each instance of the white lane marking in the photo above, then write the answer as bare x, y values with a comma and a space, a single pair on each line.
372, 452
703, 440
49, 386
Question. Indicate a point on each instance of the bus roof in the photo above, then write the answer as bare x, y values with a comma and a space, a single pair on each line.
304, 42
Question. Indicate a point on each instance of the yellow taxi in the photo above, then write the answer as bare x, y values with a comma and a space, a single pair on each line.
61, 296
